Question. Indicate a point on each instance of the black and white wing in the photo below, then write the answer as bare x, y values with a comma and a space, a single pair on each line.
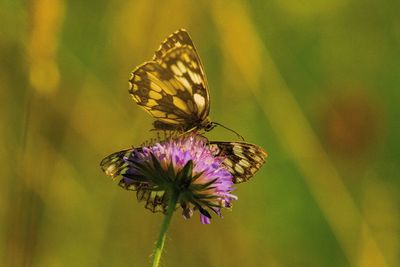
242, 159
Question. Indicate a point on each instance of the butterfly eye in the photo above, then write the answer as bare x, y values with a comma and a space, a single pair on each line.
209, 126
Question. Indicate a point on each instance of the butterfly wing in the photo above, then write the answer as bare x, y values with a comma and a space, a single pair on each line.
242, 159
173, 87
115, 165
177, 39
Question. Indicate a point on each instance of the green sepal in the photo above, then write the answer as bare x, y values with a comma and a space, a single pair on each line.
171, 172
204, 212
158, 168
144, 168
136, 177
185, 174
195, 177
198, 187
204, 196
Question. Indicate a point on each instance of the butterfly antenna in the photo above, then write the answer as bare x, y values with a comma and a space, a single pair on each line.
229, 129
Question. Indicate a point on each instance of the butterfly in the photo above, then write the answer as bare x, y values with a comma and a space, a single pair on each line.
242, 160
172, 87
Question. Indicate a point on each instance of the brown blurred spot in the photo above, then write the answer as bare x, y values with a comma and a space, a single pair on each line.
351, 124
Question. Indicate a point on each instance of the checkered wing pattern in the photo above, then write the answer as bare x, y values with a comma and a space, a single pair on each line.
242, 159
172, 87
115, 166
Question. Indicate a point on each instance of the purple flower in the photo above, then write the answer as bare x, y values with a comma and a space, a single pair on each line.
184, 165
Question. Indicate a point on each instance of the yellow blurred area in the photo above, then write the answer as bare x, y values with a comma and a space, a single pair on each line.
314, 83
46, 19
310, 9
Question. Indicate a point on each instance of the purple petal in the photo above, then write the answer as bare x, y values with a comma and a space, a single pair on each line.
204, 219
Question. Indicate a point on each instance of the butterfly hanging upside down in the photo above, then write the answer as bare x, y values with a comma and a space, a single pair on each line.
242, 160
173, 87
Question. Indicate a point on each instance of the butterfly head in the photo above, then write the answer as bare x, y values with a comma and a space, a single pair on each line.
208, 125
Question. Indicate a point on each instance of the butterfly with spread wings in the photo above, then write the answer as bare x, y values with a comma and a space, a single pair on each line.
172, 87
242, 160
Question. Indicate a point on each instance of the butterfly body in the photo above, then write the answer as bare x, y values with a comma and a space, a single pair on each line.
207, 125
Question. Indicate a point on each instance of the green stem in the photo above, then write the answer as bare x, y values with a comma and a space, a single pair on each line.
164, 227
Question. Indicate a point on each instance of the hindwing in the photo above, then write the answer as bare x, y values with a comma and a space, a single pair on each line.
242, 159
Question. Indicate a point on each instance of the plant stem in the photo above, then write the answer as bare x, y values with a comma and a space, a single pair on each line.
164, 227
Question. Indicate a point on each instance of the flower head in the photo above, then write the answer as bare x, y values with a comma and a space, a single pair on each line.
184, 165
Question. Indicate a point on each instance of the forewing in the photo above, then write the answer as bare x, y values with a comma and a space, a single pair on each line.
242, 159
173, 91
114, 164
176, 39
179, 38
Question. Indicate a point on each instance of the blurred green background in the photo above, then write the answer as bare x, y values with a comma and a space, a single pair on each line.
316, 83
